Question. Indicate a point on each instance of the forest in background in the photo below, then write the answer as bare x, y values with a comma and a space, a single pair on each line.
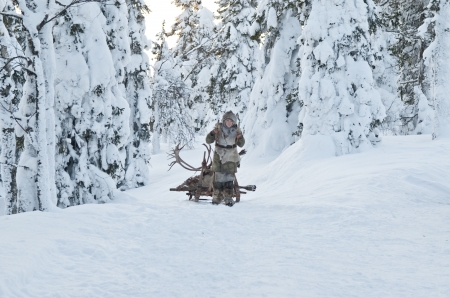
82, 108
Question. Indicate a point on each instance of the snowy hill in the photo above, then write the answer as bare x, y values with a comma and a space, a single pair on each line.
374, 224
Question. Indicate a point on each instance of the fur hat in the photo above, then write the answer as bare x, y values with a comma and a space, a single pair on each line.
229, 115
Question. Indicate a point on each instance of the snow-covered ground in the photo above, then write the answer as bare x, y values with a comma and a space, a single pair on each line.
374, 224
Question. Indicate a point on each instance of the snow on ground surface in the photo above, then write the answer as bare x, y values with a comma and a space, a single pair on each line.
374, 224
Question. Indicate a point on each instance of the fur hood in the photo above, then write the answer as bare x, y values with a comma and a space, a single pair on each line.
229, 115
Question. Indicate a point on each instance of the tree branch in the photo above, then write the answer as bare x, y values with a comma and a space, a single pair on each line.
12, 14
17, 122
409, 82
12, 59
48, 19
16, 166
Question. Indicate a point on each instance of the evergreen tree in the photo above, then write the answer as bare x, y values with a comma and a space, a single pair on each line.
184, 27
403, 18
271, 120
234, 72
436, 30
199, 67
172, 120
138, 94
336, 84
195, 30
80, 62
92, 114
36, 168
385, 70
12, 78
116, 30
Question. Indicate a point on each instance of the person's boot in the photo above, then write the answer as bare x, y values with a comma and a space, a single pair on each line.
229, 203
217, 197
228, 194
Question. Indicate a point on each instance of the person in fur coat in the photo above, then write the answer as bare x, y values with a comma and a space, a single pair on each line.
227, 136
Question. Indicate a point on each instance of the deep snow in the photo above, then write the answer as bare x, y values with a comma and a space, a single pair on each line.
373, 224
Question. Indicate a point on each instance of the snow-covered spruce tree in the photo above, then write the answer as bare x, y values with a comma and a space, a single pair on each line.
138, 94
336, 83
385, 70
117, 37
234, 72
436, 28
201, 64
93, 116
198, 68
12, 78
35, 175
184, 26
195, 30
184, 50
273, 109
172, 120
403, 18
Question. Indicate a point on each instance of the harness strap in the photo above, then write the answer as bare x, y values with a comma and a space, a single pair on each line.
226, 147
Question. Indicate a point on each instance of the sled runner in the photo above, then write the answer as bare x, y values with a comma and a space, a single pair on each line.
202, 185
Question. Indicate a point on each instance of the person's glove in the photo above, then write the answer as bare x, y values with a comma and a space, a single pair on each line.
239, 133
215, 130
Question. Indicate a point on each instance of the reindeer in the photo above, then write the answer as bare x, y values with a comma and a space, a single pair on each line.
202, 184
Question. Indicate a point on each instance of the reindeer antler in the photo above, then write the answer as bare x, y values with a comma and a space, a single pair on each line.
176, 155
209, 149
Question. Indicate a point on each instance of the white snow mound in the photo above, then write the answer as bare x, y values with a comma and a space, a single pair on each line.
374, 224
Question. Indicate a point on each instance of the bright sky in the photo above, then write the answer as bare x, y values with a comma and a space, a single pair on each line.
165, 10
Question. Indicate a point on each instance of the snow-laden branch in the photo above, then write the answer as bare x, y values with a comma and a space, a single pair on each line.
27, 132
409, 82
211, 38
16, 166
12, 14
12, 59
48, 19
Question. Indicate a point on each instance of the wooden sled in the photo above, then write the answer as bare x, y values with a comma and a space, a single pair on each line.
202, 185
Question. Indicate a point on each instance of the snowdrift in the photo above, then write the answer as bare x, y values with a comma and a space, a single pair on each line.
374, 224
408, 168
